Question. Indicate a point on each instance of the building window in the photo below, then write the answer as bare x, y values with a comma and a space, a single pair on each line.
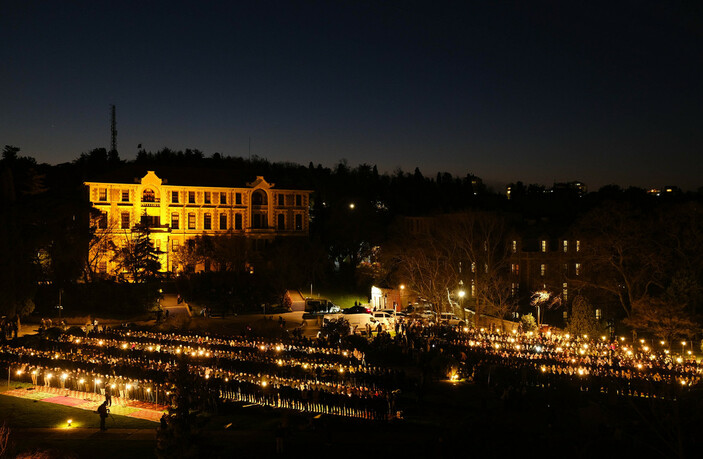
281, 200
577, 269
599, 313
515, 268
542, 270
566, 246
473, 266
237, 221
174, 221
148, 196
191, 221
566, 314
223, 198
578, 246
125, 220
102, 221
223, 221
258, 198
125, 195
175, 245
191, 197
207, 197
473, 289
543, 245
298, 222
102, 194
299, 200
514, 288
174, 197
207, 222
238, 198
565, 291
514, 246
281, 221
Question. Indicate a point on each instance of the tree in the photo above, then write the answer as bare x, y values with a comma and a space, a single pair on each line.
101, 244
478, 244
529, 324
138, 256
583, 318
667, 320
625, 254
426, 266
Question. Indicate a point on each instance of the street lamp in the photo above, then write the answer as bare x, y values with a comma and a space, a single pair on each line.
462, 294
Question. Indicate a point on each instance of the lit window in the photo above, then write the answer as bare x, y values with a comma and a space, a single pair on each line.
174, 197
514, 288
175, 244
148, 196
515, 268
542, 269
566, 246
102, 221
125, 195
174, 221
577, 269
207, 222
599, 313
566, 314
223, 198
238, 221
543, 245
238, 198
102, 194
485, 268
191, 197
191, 221
565, 291
207, 197
473, 266
578, 246
514, 246
102, 267
473, 289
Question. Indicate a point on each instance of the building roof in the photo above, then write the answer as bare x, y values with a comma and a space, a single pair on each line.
181, 176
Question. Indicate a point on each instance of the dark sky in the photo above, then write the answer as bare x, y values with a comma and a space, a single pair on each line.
533, 91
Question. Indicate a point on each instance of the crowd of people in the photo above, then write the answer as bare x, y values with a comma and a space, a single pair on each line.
336, 377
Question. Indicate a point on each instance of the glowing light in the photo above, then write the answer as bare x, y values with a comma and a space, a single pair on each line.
151, 348
264, 384
69, 422
567, 336
19, 372
646, 348
129, 386
679, 360
602, 338
78, 341
543, 368
662, 342
178, 351
97, 381
124, 345
622, 338
64, 376
112, 386
345, 353
49, 376
100, 343
148, 389
81, 381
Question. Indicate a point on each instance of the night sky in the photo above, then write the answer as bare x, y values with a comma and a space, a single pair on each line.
533, 91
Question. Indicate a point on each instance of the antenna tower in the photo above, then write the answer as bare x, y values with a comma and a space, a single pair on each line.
113, 129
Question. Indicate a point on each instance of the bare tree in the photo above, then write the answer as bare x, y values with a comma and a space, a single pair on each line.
478, 241
101, 245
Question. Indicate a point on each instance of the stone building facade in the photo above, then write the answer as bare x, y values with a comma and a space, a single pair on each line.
257, 211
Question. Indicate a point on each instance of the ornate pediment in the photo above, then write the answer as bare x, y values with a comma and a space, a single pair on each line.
151, 179
260, 182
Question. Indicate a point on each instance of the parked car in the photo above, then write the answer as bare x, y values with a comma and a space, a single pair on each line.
356, 310
357, 321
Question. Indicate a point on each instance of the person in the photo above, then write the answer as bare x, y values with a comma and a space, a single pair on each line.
103, 411
280, 433
108, 395
164, 424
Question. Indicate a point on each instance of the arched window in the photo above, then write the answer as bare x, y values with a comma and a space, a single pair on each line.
148, 196
258, 198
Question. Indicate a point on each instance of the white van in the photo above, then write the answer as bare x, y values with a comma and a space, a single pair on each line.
357, 322
385, 318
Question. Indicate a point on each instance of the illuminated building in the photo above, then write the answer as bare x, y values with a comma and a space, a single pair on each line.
177, 211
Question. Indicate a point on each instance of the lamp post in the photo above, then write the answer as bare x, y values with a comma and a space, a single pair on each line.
462, 294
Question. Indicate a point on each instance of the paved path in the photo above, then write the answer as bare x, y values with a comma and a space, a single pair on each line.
85, 401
